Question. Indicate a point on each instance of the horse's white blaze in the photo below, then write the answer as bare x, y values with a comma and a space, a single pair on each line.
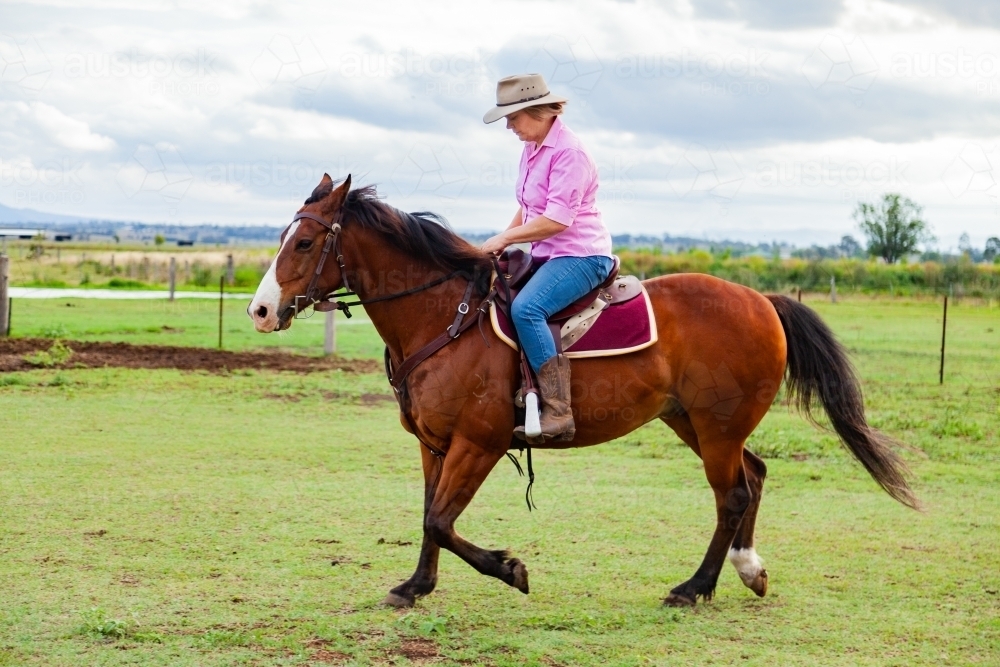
747, 564
269, 292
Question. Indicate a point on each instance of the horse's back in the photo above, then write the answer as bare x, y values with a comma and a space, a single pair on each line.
712, 328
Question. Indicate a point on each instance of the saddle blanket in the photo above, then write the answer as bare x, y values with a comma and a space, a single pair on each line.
601, 330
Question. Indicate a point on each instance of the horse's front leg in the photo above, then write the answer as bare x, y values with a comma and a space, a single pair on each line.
465, 468
424, 579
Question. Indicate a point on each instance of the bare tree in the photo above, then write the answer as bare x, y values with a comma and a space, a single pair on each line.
893, 226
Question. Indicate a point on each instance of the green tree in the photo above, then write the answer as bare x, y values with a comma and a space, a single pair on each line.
893, 226
992, 251
159, 240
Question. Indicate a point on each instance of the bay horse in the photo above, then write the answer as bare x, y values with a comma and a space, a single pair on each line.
722, 353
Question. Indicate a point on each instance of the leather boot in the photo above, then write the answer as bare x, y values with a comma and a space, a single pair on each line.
554, 386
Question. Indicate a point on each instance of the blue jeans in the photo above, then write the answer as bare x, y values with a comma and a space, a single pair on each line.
557, 283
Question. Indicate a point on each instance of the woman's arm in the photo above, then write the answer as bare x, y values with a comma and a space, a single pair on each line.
518, 219
537, 230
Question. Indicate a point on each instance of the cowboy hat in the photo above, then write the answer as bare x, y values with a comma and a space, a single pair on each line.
519, 92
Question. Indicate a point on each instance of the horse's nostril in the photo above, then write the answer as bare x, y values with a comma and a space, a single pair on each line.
262, 312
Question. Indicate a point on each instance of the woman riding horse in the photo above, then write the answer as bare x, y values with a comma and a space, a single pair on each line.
557, 192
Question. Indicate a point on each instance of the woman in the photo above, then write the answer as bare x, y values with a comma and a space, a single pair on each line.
557, 193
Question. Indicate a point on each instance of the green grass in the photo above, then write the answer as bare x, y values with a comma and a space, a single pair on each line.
169, 518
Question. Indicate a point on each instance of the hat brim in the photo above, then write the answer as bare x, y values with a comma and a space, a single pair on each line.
496, 113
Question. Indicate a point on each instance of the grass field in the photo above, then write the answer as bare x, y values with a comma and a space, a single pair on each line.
169, 518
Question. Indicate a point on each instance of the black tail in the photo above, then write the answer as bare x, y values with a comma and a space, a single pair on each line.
817, 364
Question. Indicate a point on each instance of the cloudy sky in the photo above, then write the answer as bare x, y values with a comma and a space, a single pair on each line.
751, 120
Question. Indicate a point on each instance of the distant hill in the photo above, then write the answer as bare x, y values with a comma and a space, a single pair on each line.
29, 216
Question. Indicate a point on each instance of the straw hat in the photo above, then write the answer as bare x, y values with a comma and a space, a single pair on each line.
519, 92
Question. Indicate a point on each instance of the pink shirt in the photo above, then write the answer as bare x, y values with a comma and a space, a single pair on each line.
559, 180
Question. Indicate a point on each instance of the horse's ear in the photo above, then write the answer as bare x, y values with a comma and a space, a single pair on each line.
333, 201
323, 189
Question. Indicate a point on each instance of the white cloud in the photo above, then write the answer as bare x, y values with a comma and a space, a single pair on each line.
66, 131
381, 82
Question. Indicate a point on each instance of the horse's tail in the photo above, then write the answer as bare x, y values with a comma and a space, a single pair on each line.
818, 364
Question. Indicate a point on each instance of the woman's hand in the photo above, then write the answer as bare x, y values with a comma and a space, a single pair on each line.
497, 244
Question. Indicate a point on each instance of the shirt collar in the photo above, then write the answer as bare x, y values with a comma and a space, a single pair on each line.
552, 137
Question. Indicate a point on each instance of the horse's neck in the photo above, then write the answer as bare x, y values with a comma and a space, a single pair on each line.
409, 322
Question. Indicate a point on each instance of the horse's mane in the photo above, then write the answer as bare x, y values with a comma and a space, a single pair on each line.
422, 234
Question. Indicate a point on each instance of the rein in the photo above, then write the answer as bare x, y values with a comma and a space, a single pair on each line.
332, 242
397, 376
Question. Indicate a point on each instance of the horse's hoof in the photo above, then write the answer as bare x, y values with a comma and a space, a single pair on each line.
678, 600
759, 584
520, 573
398, 601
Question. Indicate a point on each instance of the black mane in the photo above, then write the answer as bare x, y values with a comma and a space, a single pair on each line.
422, 234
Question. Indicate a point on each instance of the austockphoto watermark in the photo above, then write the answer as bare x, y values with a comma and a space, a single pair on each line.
179, 74
950, 64
51, 182
615, 173
456, 74
827, 173
295, 180
749, 64
410, 63
264, 173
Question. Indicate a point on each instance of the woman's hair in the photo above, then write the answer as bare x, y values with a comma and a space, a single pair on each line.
543, 111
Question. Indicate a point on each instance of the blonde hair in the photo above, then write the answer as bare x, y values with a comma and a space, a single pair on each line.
545, 111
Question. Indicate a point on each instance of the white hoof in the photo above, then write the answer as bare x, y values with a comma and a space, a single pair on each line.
747, 564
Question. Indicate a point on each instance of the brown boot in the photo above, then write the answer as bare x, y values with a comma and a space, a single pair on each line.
554, 386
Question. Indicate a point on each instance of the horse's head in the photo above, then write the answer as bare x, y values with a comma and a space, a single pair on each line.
274, 304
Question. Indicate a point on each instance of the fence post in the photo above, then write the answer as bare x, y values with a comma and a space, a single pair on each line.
800, 295
222, 284
944, 329
4, 299
330, 337
833, 289
173, 277
230, 273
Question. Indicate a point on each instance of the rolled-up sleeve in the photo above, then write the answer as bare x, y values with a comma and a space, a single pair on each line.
568, 177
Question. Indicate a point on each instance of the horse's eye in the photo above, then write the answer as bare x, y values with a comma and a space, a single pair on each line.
304, 244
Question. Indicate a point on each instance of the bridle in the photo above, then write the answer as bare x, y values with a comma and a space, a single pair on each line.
323, 302
332, 242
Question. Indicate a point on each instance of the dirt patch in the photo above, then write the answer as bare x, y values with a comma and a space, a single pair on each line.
330, 657
418, 651
124, 355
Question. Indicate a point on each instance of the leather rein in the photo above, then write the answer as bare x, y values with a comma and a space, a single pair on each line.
397, 376
324, 303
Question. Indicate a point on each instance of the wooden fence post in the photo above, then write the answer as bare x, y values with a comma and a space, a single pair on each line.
222, 284
833, 290
944, 329
173, 277
4, 299
230, 270
330, 335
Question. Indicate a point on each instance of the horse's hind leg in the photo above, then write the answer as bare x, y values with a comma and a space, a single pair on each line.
424, 579
465, 468
724, 468
742, 555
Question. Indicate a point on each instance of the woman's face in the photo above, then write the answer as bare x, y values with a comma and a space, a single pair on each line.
527, 128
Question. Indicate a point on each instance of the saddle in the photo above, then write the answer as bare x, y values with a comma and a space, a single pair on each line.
569, 324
